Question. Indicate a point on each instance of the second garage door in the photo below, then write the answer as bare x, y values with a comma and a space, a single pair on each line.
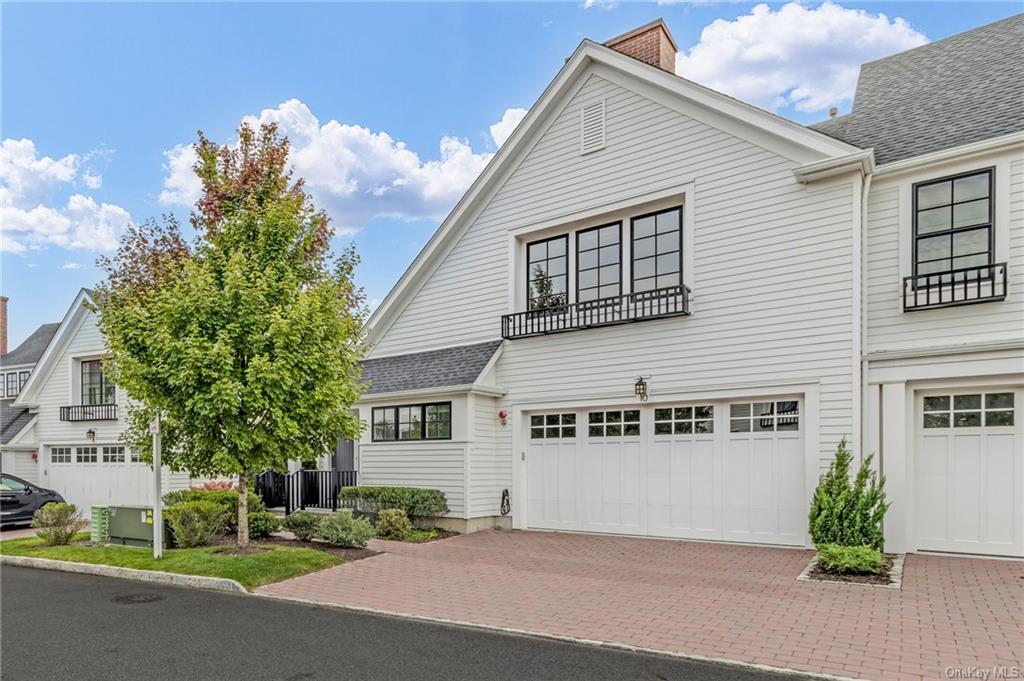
715, 470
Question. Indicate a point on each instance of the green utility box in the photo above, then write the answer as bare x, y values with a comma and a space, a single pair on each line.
133, 526
99, 529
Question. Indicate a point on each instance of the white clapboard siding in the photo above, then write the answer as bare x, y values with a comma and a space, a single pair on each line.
437, 465
490, 462
888, 326
772, 280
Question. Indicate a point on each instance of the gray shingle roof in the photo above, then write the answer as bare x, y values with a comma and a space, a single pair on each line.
431, 369
962, 89
11, 421
32, 348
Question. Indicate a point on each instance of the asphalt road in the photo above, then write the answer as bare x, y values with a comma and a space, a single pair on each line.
69, 627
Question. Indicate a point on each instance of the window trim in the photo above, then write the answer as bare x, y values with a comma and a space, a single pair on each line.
576, 238
990, 224
632, 246
423, 421
529, 292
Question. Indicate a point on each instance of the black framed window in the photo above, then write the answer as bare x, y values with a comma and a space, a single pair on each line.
953, 225
96, 388
12, 385
599, 262
412, 422
657, 250
22, 379
548, 258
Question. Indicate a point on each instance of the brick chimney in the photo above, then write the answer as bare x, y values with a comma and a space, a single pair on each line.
651, 44
3, 325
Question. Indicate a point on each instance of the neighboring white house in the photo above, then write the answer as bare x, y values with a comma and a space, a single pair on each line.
69, 418
748, 274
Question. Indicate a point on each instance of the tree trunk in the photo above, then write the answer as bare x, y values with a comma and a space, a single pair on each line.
243, 508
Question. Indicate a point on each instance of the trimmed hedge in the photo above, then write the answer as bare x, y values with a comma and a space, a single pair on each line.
415, 501
393, 523
262, 524
341, 528
850, 559
228, 498
194, 523
302, 524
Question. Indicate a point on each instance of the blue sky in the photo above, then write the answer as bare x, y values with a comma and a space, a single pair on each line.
390, 106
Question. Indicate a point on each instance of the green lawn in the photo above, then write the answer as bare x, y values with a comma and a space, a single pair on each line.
272, 565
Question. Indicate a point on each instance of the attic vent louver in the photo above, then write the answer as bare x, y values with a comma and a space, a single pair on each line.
592, 127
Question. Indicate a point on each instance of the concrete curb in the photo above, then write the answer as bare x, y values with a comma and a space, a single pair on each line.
191, 581
611, 645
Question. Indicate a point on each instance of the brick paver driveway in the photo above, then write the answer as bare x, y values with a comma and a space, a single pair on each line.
738, 603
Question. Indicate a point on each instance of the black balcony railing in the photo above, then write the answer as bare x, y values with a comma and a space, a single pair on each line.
89, 412
963, 286
631, 307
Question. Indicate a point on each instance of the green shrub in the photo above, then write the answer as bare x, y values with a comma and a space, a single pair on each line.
194, 523
848, 514
263, 524
56, 524
393, 523
228, 498
302, 524
416, 502
850, 559
341, 528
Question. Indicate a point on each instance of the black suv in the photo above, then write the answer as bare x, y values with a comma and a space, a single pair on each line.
20, 499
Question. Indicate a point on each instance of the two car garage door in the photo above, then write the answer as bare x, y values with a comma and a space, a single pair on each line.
716, 470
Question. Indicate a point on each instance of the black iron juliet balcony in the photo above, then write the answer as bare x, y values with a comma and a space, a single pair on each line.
89, 412
673, 301
964, 286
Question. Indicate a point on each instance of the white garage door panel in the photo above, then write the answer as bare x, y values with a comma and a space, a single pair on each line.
746, 486
969, 477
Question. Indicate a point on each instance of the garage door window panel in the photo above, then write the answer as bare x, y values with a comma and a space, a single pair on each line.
86, 454
968, 410
60, 455
764, 417
684, 420
113, 455
613, 423
552, 426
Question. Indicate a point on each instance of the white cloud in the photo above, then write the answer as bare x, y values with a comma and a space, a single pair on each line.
181, 185
603, 4
503, 129
354, 173
92, 181
32, 217
807, 58
71, 266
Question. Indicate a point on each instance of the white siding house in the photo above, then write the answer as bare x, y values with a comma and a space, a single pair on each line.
742, 272
78, 417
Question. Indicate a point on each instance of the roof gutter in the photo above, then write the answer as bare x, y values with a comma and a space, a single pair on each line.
963, 151
864, 161
474, 388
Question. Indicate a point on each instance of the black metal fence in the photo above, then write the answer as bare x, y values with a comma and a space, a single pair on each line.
303, 489
961, 286
631, 307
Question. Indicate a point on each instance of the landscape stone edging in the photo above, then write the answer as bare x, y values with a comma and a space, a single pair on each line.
895, 575
155, 576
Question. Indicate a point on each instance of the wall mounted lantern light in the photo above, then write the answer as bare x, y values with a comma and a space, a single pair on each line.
90, 435
640, 388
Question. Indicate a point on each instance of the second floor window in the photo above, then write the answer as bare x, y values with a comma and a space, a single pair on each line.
547, 266
96, 388
598, 262
657, 250
12, 384
953, 227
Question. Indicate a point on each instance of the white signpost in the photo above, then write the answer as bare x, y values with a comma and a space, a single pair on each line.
158, 515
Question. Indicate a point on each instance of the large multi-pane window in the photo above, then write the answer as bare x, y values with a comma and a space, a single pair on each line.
413, 422
12, 384
547, 266
657, 250
599, 262
953, 227
96, 388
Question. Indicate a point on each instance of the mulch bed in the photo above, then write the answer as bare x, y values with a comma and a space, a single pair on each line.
347, 555
821, 574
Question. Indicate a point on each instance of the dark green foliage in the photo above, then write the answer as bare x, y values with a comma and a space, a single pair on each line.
415, 501
393, 523
848, 514
302, 524
228, 498
850, 559
341, 528
263, 524
56, 524
194, 523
